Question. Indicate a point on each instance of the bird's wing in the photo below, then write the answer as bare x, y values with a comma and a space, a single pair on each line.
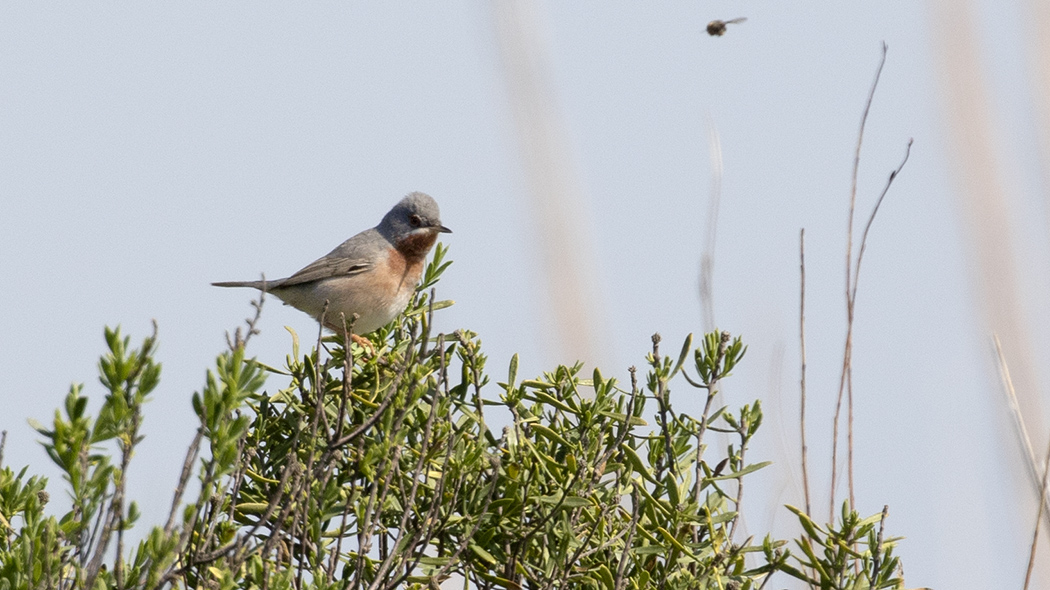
327, 267
357, 255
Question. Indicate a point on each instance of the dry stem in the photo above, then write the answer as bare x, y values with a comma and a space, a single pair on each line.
1038, 520
802, 348
1019, 424
852, 279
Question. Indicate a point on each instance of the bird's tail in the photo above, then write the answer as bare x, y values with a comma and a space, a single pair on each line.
260, 285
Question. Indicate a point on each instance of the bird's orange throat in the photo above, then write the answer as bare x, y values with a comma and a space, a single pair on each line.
415, 246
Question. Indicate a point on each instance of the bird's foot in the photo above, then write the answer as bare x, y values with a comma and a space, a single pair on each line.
364, 343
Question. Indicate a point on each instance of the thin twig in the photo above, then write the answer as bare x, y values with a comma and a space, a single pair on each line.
118, 568
240, 341
348, 373
418, 474
452, 560
848, 352
712, 390
116, 510
442, 364
1019, 424
853, 303
376, 415
238, 475
867, 227
802, 348
203, 538
292, 465
3, 443
86, 542
562, 579
258, 305
364, 535
428, 322
1038, 520
439, 493
189, 530
876, 559
319, 391
665, 428
739, 483
423, 536
616, 446
240, 548
765, 580
298, 481
849, 431
393, 472
348, 362
856, 168
707, 257
471, 354
338, 549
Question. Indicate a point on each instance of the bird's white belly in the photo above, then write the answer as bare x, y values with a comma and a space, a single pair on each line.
374, 308
375, 304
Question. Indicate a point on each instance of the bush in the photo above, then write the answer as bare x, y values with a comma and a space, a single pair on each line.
405, 467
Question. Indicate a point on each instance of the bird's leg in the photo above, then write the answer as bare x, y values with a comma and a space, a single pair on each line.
364, 343
345, 328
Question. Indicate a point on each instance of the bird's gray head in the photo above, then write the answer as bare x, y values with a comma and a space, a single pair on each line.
416, 213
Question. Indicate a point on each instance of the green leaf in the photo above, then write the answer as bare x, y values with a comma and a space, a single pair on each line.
812, 530
637, 464
606, 576
736, 474
544, 397
536, 384
672, 540
485, 555
512, 372
630, 420
426, 309
576, 501
548, 434
686, 347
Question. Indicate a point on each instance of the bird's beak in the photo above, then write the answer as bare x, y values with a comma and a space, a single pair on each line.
442, 229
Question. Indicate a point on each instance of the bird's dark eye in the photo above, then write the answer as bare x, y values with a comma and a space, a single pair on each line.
415, 220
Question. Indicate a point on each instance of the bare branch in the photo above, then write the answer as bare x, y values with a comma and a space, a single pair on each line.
184, 477
619, 583
1019, 424
847, 354
240, 340
477, 523
1038, 520
707, 257
856, 168
877, 557
871, 218
802, 348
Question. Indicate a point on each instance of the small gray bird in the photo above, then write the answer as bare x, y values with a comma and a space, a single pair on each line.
373, 274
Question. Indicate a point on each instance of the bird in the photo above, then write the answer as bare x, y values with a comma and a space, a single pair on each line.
717, 28
373, 274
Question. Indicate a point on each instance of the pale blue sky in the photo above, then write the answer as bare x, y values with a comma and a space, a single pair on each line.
147, 150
